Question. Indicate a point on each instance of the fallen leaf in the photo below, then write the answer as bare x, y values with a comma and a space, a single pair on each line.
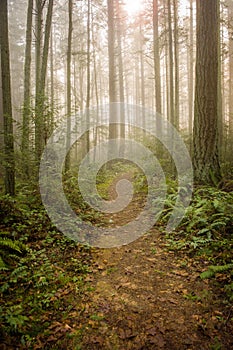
152, 331
173, 301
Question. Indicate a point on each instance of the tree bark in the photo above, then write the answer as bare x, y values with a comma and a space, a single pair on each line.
68, 86
27, 91
38, 116
230, 35
51, 124
191, 71
9, 162
1, 125
112, 72
41, 70
205, 134
176, 62
88, 96
121, 73
157, 73
171, 70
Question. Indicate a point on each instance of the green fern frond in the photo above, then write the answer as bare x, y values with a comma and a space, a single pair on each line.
3, 266
10, 251
7, 243
18, 271
216, 269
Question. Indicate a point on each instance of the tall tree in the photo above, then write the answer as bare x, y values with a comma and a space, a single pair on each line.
1, 124
171, 65
41, 70
9, 162
88, 97
38, 43
157, 73
27, 91
191, 69
68, 85
52, 94
112, 68
119, 20
205, 134
176, 61
220, 85
230, 35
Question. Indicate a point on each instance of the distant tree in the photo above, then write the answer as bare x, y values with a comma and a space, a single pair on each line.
112, 67
176, 64
119, 22
68, 84
171, 65
156, 43
41, 72
88, 95
230, 35
9, 162
191, 69
205, 135
38, 44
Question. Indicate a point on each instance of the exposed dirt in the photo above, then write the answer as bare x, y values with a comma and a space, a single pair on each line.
146, 297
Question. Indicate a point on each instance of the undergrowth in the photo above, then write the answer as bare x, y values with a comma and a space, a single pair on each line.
43, 273
206, 231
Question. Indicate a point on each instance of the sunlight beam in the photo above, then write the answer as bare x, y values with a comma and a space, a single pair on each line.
133, 6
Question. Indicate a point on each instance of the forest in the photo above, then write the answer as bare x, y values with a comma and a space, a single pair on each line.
116, 174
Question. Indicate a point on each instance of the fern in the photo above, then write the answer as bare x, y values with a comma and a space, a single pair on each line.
10, 245
213, 270
229, 290
197, 242
13, 317
3, 265
10, 251
203, 231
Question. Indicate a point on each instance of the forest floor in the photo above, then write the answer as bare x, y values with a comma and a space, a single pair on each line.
141, 296
147, 297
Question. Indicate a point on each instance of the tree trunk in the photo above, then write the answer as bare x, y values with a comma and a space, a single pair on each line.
51, 83
68, 86
205, 133
38, 117
27, 91
171, 70
121, 74
157, 73
1, 126
9, 162
46, 47
142, 68
230, 35
112, 72
41, 70
191, 71
88, 96
220, 105
176, 61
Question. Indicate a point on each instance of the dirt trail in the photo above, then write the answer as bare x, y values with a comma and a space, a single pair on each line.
146, 297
